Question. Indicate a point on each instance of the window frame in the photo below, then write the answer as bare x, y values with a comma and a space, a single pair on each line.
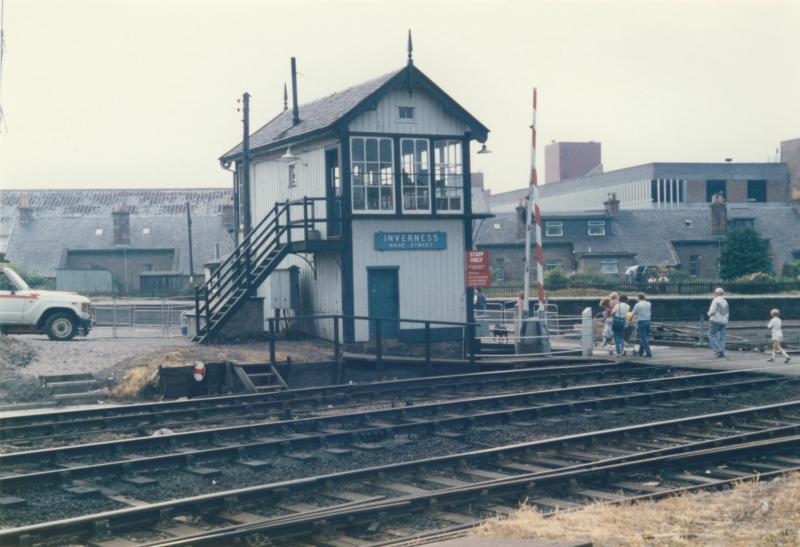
694, 265
760, 187
413, 176
553, 223
291, 173
553, 265
382, 176
596, 223
449, 170
407, 109
499, 267
609, 262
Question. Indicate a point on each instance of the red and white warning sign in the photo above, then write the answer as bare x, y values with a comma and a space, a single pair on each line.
477, 269
199, 371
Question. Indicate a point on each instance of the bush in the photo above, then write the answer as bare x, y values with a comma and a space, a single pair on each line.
592, 278
792, 269
555, 279
744, 252
34, 280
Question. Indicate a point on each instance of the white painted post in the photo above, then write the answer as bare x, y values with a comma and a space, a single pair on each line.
587, 332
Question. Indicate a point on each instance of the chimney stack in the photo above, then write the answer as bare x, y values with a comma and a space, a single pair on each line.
522, 212
24, 209
719, 215
295, 108
227, 215
122, 225
612, 204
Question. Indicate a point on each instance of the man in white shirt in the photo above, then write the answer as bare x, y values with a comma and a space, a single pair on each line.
641, 314
718, 315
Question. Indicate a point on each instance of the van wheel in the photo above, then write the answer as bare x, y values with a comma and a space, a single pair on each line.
61, 327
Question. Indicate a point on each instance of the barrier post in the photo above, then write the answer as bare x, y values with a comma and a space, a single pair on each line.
587, 334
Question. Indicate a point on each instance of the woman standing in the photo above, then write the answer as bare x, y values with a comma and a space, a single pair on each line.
619, 316
776, 326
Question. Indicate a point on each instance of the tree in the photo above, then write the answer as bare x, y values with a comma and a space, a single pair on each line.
743, 253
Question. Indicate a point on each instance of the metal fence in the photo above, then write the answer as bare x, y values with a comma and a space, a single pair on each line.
692, 286
145, 319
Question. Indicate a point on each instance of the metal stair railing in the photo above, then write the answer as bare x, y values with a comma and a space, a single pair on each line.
258, 254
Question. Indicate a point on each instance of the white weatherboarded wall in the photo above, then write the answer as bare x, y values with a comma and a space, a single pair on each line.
429, 116
269, 182
431, 282
323, 295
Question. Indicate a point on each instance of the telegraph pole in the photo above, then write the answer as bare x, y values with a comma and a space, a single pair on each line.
191, 255
245, 198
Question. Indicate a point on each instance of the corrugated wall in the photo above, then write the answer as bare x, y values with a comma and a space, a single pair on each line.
429, 116
431, 282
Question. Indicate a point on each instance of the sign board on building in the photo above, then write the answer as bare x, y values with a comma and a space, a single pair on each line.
477, 269
410, 241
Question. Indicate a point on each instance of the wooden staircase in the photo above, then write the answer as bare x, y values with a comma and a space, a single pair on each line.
259, 377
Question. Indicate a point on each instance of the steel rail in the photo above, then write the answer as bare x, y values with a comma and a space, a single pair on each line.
158, 413
310, 523
528, 483
298, 425
16, 481
209, 502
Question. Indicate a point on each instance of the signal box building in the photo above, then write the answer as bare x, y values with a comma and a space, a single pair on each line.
375, 183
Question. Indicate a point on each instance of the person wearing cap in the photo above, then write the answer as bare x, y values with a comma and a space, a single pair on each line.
718, 314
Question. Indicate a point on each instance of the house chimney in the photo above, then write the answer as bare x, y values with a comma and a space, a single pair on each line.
295, 108
227, 215
794, 200
25, 211
122, 225
719, 215
522, 212
612, 204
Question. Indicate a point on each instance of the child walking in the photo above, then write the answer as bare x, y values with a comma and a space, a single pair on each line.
775, 325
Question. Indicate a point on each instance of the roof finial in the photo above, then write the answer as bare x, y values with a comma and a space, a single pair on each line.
285, 98
410, 49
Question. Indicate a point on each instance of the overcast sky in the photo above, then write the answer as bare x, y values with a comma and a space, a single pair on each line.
142, 93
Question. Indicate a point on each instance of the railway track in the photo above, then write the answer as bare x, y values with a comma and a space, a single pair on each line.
383, 503
137, 418
361, 440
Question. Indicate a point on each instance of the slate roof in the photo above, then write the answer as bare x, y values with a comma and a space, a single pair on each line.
649, 233
142, 201
502, 230
323, 114
42, 244
314, 116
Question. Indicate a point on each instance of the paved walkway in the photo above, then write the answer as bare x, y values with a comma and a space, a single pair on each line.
702, 358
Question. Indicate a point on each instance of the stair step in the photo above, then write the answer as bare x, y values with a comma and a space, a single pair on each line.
78, 386
48, 378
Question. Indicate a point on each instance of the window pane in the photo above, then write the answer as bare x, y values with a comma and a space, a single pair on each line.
386, 151
358, 198
406, 146
372, 149
358, 149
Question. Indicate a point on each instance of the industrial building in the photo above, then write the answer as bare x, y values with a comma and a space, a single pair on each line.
611, 239
122, 242
661, 186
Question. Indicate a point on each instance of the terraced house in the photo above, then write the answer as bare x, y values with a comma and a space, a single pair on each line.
367, 192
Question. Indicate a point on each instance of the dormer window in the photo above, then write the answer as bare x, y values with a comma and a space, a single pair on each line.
98, 231
406, 112
554, 229
146, 231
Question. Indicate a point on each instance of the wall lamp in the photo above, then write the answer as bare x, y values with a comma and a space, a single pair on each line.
484, 150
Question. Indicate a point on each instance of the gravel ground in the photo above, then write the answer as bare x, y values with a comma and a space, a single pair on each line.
16, 383
178, 482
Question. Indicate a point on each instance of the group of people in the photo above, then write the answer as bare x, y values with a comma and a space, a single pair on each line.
718, 314
620, 319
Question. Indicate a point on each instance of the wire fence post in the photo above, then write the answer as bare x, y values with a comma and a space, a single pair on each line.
196, 310
428, 363
700, 335
272, 335
378, 346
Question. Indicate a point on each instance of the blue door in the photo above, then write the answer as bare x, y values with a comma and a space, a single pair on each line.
383, 289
